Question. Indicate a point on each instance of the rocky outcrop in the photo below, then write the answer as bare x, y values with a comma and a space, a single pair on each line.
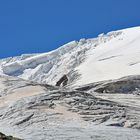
124, 85
63, 81
4, 137
129, 84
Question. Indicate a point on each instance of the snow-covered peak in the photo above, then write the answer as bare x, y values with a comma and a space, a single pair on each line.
114, 59
109, 56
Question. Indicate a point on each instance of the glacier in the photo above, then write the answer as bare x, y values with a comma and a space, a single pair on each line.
94, 59
101, 100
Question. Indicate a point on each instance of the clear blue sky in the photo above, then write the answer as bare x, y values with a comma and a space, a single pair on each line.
31, 26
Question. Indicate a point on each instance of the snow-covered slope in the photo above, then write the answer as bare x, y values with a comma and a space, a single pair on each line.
108, 56
114, 59
103, 105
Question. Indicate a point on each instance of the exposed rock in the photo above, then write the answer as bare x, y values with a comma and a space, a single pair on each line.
129, 84
63, 81
4, 137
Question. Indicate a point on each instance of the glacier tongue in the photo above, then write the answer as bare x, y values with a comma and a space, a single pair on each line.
34, 111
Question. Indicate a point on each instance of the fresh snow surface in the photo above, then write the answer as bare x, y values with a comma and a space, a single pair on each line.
114, 59
109, 56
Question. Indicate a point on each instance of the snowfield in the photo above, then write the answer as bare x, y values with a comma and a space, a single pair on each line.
110, 56
114, 59
97, 96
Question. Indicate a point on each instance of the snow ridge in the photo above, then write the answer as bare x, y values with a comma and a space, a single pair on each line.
88, 60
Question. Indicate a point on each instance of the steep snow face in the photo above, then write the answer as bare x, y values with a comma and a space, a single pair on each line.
109, 56
114, 59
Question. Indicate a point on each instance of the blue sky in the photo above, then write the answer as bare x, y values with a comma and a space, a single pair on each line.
32, 26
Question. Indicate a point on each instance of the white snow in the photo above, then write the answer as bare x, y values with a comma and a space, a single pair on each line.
109, 56
114, 59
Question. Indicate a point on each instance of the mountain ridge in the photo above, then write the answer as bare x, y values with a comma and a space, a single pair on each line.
84, 90
75, 58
